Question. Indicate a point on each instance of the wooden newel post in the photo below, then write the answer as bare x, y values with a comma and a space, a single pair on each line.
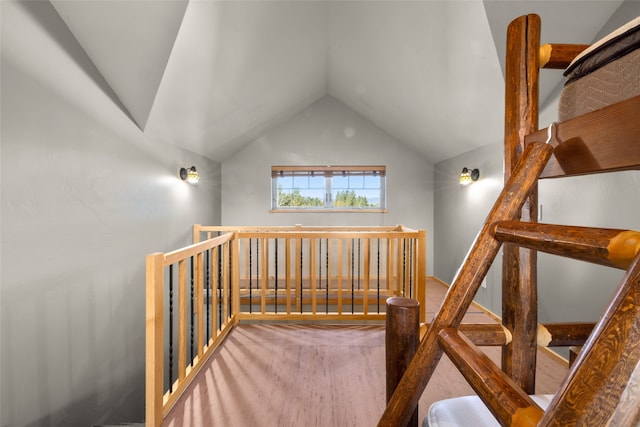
402, 340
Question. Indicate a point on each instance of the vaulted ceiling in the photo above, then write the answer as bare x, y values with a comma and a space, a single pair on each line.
212, 76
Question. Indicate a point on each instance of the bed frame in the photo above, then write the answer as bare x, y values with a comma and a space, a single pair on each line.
603, 384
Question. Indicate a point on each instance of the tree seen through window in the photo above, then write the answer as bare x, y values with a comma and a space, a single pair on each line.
328, 187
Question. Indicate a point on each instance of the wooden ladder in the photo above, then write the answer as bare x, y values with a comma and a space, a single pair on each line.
595, 389
603, 385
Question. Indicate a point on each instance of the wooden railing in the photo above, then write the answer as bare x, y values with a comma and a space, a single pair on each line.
231, 274
198, 281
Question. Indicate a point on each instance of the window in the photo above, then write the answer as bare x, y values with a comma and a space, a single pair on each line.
328, 187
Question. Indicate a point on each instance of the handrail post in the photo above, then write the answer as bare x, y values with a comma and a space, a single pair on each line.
421, 282
196, 232
401, 342
154, 339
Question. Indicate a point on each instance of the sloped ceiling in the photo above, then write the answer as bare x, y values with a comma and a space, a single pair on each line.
212, 76
129, 42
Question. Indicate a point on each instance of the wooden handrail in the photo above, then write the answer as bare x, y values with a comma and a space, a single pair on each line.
198, 228
364, 234
195, 249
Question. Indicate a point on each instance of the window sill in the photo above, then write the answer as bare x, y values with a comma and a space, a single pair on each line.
327, 211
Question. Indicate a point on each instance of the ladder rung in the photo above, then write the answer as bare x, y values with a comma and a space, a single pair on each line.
605, 246
482, 334
563, 334
507, 402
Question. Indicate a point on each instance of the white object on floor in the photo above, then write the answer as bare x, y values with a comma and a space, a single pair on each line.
468, 411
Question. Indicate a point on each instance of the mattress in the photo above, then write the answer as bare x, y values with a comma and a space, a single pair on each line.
605, 73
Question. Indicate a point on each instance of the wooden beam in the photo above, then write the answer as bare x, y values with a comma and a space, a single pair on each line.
401, 341
559, 56
604, 246
504, 398
519, 298
602, 388
564, 334
482, 334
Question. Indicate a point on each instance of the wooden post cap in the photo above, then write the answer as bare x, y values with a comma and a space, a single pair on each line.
402, 302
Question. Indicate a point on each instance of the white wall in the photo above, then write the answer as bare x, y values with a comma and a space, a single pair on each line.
85, 197
460, 212
328, 133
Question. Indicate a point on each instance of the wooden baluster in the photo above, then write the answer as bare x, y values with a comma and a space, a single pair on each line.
312, 273
378, 277
339, 272
264, 278
191, 298
182, 319
207, 297
170, 328
199, 303
367, 261
421, 282
250, 278
328, 278
287, 269
275, 273
215, 326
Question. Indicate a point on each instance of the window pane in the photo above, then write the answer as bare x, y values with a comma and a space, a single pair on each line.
356, 182
372, 181
340, 182
316, 182
285, 182
357, 198
300, 198
349, 187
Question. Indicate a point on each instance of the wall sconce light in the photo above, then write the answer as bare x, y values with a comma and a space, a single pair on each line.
467, 176
189, 174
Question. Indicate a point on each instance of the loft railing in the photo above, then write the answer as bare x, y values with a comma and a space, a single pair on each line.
189, 312
197, 294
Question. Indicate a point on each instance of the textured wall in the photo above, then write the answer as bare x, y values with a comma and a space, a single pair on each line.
460, 212
328, 133
85, 196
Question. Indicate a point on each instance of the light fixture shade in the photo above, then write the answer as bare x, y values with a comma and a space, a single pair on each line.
189, 174
467, 176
